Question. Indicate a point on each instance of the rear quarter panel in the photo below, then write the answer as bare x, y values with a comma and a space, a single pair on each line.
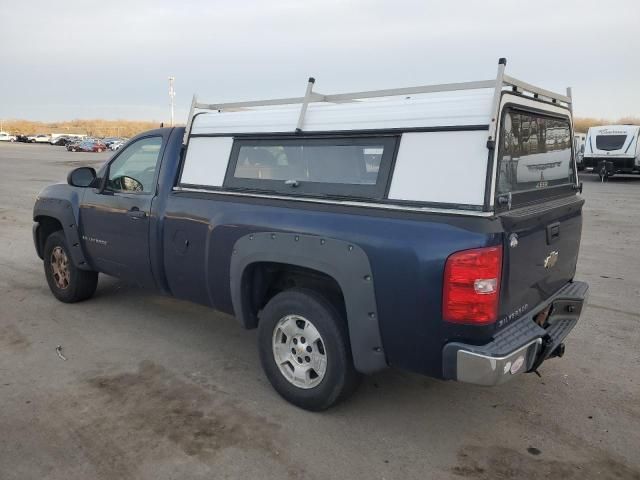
406, 253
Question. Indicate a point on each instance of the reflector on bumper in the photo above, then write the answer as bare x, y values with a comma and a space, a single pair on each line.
485, 370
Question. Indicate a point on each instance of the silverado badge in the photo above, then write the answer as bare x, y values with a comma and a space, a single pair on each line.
551, 259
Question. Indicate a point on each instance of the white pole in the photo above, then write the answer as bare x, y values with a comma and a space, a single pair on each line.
172, 94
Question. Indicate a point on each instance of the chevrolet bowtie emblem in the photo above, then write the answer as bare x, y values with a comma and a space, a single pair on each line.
551, 260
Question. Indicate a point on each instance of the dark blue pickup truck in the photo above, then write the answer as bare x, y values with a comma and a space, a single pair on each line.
432, 229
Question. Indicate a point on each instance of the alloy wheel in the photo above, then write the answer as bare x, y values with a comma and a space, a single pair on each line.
60, 268
299, 352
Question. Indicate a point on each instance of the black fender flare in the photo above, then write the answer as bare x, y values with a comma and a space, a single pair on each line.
66, 212
345, 262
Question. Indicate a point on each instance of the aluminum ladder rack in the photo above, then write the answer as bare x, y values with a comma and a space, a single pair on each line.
498, 84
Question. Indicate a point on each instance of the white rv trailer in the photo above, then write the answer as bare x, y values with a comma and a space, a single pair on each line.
617, 144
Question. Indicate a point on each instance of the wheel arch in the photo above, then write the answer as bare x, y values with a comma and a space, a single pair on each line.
334, 261
51, 214
43, 227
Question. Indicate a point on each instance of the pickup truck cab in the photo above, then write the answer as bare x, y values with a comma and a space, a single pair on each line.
434, 229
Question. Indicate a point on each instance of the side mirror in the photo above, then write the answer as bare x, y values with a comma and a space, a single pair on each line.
81, 177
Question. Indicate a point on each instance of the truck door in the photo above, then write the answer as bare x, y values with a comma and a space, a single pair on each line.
115, 221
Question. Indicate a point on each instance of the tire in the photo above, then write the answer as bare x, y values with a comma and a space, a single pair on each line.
80, 284
330, 385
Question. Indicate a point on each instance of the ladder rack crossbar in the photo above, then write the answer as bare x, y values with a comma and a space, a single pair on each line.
345, 97
527, 87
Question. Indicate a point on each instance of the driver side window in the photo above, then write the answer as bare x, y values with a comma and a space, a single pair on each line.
134, 169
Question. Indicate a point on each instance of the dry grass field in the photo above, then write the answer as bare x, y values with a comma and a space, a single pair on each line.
94, 128
129, 128
582, 124
157, 388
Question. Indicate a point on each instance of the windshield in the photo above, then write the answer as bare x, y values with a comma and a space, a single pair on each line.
535, 152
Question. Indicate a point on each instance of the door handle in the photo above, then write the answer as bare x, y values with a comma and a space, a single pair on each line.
135, 213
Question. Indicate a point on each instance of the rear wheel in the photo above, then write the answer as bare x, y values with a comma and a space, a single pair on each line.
304, 350
68, 283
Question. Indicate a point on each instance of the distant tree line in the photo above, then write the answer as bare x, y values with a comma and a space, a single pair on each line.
94, 128
129, 128
582, 124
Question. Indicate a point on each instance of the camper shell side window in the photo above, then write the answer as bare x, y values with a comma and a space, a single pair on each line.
351, 167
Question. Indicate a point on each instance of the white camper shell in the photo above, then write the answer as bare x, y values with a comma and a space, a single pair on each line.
618, 144
470, 148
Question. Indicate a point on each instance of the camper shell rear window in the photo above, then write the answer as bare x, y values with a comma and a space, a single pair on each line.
535, 158
350, 167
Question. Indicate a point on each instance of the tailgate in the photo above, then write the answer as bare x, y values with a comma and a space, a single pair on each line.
540, 254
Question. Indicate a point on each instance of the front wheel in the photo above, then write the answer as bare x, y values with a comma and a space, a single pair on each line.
68, 283
305, 351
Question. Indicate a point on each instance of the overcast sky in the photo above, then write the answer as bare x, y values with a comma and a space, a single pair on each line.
111, 59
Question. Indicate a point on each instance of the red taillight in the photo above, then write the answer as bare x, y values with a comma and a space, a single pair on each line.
471, 287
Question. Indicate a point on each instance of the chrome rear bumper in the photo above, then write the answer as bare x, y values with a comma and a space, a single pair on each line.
486, 370
520, 347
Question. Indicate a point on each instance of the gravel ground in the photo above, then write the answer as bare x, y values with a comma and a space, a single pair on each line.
155, 388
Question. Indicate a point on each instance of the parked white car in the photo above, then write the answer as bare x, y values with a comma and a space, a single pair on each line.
55, 137
116, 145
39, 138
7, 137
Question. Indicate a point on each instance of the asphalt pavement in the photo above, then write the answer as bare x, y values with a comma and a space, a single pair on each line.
156, 388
